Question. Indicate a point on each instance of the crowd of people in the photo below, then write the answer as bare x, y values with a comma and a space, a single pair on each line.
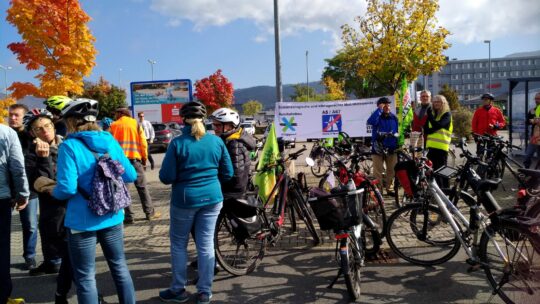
48, 160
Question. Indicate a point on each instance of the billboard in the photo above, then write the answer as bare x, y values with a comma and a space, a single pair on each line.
160, 100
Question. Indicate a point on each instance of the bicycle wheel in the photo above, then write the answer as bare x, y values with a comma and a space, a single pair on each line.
371, 240
351, 264
321, 166
516, 276
237, 257
418, 234
374, 207
301, 208
397, 199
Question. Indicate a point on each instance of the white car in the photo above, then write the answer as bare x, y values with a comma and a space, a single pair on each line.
249, 127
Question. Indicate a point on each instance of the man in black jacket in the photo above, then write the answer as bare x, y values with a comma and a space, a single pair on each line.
28, 216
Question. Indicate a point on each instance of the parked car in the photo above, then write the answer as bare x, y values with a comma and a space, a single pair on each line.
249, 127
165, 132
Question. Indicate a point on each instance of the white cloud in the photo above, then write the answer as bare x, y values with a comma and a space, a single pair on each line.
469, 21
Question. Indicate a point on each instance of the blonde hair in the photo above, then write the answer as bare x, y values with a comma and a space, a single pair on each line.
197, 127
74, 124
445, 106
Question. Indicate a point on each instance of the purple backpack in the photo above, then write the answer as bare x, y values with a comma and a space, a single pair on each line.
109, 192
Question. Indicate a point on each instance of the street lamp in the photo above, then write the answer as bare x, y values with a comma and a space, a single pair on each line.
5, 77
307, 75
152, 62
489, 62
279, 89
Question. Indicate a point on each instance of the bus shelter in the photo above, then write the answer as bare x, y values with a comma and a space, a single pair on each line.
520, 101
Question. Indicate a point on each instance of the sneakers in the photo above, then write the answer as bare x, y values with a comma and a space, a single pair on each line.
390, 192
203, 298
45, 268
30, 263
168, 295
128, 221
15, 301
156, 215
60, 299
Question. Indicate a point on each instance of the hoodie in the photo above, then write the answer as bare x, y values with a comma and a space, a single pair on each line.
76, 166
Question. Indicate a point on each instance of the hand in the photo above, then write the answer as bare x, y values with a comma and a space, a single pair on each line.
143, 161
381, 106
42, 148
20, 203
491, 126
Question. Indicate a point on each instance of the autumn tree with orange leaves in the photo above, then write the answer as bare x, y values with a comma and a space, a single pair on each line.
214, 91
56, 42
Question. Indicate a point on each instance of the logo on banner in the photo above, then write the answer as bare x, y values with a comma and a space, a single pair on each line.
331, 123
288, 124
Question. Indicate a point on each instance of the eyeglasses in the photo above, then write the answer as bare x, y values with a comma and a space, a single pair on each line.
47, 126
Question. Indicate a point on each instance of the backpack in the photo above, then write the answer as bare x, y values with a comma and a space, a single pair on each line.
109, 192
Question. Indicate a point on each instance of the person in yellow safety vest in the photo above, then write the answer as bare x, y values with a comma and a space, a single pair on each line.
439, 129
533, 120
130, 136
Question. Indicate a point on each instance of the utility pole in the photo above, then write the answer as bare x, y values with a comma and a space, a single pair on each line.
279, 91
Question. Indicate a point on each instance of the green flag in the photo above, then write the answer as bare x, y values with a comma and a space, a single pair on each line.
404, 110
270, 154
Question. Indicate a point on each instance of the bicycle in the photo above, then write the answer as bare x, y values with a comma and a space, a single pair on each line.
508, 249
239, 251
374, 204
341, 211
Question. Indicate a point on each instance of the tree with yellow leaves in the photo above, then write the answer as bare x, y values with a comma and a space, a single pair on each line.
397, 39
4, 105
334, 90
56, 42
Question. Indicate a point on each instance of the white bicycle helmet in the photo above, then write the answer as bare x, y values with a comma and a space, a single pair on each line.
224, 115
84, 108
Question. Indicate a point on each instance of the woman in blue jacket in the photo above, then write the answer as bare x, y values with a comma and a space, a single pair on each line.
194, 164
76, 166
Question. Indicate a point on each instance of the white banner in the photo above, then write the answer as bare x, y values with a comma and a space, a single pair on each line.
303, 120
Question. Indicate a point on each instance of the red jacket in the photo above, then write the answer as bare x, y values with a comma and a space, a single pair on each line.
483, 118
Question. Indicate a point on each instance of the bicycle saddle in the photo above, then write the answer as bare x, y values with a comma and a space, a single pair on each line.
488, 184
529, 172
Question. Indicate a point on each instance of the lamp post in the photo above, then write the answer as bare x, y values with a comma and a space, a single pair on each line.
489, 63
307, 75
279, 91
5, 77
152, 62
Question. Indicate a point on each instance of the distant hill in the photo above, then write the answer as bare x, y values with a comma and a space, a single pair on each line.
30, 101
267, 94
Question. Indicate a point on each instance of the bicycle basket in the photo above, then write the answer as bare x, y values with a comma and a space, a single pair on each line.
407, 173
335, 210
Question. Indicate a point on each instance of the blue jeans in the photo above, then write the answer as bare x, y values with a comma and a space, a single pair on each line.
29, 222
5, 242
182, 220
529, 154
82, 251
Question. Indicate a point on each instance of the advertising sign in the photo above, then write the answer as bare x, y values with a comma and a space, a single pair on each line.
303, 120
160, 100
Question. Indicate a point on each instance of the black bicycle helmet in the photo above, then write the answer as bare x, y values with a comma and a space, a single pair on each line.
84, 108
34, 114
193, 109
488, 96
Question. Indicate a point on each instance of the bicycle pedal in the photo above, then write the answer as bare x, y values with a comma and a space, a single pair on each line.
475, 266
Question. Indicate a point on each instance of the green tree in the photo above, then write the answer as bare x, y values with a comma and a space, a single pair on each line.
252, 107
451, 96
396, 39
110, 97
462, 119
302, 92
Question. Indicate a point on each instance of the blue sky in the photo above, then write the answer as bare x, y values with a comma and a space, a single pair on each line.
193, 38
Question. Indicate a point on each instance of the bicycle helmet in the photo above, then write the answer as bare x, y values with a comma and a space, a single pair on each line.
193, 109
225, 115
487, 96
34, 114
57, 103
84, 108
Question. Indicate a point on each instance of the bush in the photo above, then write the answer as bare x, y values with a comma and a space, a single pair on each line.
462, 119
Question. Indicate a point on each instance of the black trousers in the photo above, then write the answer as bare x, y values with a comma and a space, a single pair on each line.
439, 158
5, 246
51, 227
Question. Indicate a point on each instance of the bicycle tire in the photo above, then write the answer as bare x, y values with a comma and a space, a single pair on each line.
534, 210
374, 207
235, 256
351, 264
292, 217
522, 285
371, 241
406, 242
397, 200
321, 166
302, 210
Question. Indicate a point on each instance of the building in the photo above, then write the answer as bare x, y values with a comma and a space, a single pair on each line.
470, 78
